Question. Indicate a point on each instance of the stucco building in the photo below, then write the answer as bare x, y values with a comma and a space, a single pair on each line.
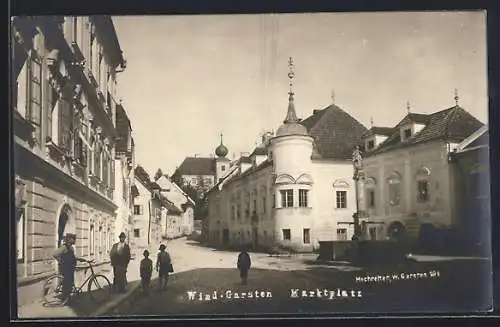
183, 223
64, 104
124, 174
410, 182
295, 189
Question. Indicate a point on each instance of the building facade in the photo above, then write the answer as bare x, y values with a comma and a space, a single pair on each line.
182, 222
410, 184
294, 190
148, 212
64, 103
124, 174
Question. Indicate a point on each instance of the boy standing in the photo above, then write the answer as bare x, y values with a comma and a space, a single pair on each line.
146, 270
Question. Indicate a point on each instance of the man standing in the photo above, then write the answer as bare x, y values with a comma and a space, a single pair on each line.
244, 264
163, 267
120, 258
66, 258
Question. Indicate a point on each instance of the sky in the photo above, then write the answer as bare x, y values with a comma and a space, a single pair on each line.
191, 78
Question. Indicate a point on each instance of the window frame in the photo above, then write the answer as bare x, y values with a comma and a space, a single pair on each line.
35, 117
303, 198
423, 196
343, 232
285, 232
287, 198
338, 200
306, 232
394, 189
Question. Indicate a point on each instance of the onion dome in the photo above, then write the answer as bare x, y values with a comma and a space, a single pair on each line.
221, 151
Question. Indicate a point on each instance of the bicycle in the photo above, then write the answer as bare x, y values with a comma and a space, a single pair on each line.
99, 287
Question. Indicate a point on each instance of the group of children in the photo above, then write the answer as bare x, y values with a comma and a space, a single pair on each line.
163, 267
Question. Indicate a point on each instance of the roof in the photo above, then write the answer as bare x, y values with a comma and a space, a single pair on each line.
479, 138
259, 151
196, 166
386, 131
172, 208
335, 132
452, 124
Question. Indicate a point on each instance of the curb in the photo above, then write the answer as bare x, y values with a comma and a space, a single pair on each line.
123, 301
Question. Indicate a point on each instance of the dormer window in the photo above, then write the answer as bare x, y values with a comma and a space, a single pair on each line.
406, 133
370, 145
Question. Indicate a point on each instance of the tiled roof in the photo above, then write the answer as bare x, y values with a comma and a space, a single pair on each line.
335, 132
245, 160
196, 166
249, 171
172, 209
452, 124
259, 151
386, 131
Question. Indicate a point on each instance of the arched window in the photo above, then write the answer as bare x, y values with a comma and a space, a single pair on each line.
92, 239
370, 184
422, 178
394, 182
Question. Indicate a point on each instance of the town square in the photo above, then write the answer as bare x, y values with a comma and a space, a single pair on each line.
326, 163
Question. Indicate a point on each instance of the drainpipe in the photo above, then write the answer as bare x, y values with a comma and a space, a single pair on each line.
149, 222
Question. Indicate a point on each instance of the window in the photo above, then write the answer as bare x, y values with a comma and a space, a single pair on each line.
223, 168
423, 190
105, 166
303, 198
137, 209
264, 204
371, 198
75, 29
238, 211
394, 190
342, 234
35, 92
286, 198
341, 199
370, 144
97, 160
65, 124
373, 233
274, 200
20, 234
286, 235
255, 205
307, 236
137, 232
92, 239
407, 133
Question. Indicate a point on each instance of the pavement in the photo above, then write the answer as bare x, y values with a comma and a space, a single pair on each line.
82, 305
427, 283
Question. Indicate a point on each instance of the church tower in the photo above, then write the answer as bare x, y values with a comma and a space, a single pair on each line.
221, 162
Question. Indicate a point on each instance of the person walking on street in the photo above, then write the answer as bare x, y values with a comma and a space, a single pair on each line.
146, 270
244, 263
163, 267
66, 258
120, 258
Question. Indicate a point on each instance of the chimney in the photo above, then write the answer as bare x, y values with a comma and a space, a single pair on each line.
315, 111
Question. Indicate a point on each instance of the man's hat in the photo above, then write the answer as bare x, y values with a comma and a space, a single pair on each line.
69, 236
146, 252
122, 234
162, 247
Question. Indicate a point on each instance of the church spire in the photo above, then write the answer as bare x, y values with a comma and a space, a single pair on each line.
291, 116
456, 97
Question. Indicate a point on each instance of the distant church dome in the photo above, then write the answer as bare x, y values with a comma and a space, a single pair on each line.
221, 151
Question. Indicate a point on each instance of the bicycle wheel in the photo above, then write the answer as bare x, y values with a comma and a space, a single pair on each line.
99, 288
52, 291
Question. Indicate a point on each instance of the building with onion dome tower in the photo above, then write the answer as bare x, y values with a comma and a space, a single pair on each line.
221, 162
294, 189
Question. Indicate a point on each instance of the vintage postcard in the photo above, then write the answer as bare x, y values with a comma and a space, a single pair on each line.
325, 163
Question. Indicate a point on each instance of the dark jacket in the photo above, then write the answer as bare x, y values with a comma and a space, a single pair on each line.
66, 258
244, 261
120, 258
146, 268
163, 261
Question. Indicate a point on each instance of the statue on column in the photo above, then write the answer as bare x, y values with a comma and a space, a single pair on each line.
357, 161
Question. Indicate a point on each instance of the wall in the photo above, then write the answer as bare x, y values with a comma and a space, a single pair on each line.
408, 162
330, 177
